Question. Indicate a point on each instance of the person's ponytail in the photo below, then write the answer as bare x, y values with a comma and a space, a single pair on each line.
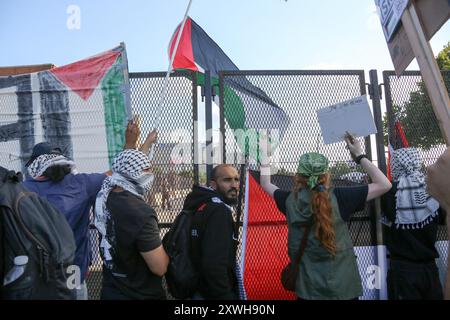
322, 210
321, 207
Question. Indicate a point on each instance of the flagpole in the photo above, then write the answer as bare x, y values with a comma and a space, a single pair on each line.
166, 79
241, 187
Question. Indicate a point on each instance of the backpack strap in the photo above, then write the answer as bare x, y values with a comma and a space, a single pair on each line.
196, 236
42, 249
303, 243
197, 227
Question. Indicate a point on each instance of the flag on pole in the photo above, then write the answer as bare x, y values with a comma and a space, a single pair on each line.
83, 107
264, 246
252, 108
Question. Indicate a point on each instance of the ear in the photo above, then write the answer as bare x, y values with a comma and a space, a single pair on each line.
213, 184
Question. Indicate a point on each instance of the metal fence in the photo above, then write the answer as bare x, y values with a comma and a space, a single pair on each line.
300, 94
408, 103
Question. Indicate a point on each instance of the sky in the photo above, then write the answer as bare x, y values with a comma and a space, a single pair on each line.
256, 34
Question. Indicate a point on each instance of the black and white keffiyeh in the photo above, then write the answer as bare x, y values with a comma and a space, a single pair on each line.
128, 173
415, 207
45, 161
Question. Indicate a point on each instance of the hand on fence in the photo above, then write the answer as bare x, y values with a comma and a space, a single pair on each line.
132, 134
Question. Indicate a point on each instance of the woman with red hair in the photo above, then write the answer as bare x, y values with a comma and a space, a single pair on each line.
328, 269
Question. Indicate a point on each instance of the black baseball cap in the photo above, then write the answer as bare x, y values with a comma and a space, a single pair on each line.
42, 148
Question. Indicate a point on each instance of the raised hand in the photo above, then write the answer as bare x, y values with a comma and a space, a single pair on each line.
132, 134
151, 138
353, 146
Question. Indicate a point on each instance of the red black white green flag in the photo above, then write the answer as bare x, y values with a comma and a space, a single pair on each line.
81, 107
248, 106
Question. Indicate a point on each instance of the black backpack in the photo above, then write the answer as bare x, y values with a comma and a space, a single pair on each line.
182, 245
35, 233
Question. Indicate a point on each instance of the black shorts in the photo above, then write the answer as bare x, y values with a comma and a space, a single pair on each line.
413, 281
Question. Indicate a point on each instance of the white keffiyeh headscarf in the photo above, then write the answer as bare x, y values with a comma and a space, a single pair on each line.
37, 168
415, 207
128, 173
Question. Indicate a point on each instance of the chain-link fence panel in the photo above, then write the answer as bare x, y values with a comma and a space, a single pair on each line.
173, 157
408, 106
299, 94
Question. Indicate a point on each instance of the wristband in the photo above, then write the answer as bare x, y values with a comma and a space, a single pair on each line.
360, 157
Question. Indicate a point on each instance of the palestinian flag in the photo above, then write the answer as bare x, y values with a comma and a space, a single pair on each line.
247, 107
82, 107
264, 243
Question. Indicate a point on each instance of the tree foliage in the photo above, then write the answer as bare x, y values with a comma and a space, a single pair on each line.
443, 58
343, 167
417, 116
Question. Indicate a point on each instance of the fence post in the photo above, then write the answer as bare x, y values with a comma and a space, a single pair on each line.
222, 117
208, 124
195, 142
375, 96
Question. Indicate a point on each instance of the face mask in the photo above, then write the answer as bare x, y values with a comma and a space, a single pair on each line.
146, 181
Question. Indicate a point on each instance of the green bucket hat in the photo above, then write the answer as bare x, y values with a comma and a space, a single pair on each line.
312, 165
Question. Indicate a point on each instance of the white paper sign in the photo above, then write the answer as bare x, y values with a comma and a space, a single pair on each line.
353, 116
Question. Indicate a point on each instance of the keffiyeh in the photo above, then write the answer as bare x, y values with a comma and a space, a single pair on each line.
37, 168
128, 173
415, 207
